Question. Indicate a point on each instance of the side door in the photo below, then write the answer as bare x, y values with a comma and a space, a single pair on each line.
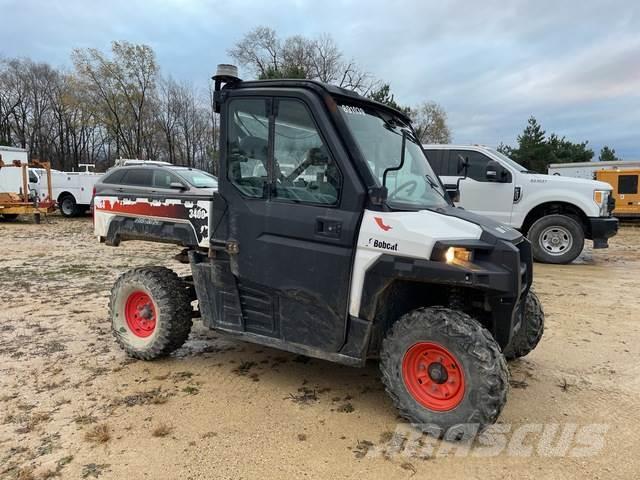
479, 194
294, 206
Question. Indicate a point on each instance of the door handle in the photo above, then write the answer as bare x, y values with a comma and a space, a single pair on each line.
328, 228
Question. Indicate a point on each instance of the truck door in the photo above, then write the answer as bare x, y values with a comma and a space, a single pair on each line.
479, 194
294, 206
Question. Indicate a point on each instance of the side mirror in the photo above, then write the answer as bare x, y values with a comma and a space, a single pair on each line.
454, 194
378, 195
177, 186
495, 172
463, 165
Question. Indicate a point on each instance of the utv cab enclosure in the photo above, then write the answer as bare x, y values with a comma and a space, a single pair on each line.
332, 237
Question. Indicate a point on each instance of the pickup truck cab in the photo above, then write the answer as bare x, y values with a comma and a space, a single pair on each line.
555, 213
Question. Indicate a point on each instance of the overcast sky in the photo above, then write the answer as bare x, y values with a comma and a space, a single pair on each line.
573, 64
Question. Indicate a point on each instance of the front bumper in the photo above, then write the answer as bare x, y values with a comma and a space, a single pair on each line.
602, 229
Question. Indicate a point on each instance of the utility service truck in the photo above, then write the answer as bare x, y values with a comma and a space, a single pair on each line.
353, 251
72, 190
556, 213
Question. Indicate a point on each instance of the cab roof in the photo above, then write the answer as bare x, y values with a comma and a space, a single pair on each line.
319, 87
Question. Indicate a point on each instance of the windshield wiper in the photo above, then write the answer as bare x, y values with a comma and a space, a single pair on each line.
432, 183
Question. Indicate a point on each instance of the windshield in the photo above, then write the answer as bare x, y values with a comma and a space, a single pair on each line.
198, 178
507, 160
379, 136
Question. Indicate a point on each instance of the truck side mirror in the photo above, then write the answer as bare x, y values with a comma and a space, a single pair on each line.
494, 172
454, 193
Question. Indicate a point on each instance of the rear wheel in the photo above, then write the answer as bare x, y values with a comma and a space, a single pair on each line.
556, 239
150, 312
444, 372
531, 329
68, 206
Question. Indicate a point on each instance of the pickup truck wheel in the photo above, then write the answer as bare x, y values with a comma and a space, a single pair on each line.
68, 206
531, 329
444, 372
556, 239
150, 312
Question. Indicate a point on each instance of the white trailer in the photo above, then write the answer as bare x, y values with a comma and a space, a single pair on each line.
587, 170
11, 178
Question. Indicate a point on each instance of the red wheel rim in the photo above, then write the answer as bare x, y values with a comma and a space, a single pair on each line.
140, 313
433, 376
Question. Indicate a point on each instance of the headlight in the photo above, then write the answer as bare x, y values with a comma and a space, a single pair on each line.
457, 253
601, 197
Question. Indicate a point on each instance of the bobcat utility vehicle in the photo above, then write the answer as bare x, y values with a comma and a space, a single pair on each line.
352, 251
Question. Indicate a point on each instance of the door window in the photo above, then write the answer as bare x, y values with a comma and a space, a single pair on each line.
477, 163
247, 146
164, 179
304, 170
138, 177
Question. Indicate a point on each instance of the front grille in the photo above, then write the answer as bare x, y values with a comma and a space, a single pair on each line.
611, 204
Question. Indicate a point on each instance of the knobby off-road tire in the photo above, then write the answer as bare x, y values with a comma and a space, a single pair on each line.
150, 312
564, 230
531, 329
448, 344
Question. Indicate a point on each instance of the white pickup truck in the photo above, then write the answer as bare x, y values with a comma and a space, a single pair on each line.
73, 191
556, 213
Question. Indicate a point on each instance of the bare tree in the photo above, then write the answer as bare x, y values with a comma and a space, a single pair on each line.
267, 56
121, 87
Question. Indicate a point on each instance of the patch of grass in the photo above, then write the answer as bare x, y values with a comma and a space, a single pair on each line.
84, 418
190, 390
304, 396
98, 434
162, 430
94, 470
345, 408
149, 397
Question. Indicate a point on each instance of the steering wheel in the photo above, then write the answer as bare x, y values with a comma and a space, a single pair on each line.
410, 186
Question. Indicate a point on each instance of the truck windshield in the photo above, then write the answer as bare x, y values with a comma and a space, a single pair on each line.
508, 161
379, 137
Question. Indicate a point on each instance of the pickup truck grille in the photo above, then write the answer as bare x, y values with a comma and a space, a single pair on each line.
611, 204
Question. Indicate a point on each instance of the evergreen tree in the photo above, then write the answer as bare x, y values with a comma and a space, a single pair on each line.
607, 155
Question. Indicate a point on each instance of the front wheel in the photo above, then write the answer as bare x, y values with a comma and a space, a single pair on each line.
531, 329
556, 239
444, 372
150, 312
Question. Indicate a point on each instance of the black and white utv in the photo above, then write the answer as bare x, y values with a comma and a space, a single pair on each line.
330, 236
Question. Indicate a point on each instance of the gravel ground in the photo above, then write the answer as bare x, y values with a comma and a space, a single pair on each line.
72, 405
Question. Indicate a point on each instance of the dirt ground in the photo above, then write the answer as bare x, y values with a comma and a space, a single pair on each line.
72, 405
